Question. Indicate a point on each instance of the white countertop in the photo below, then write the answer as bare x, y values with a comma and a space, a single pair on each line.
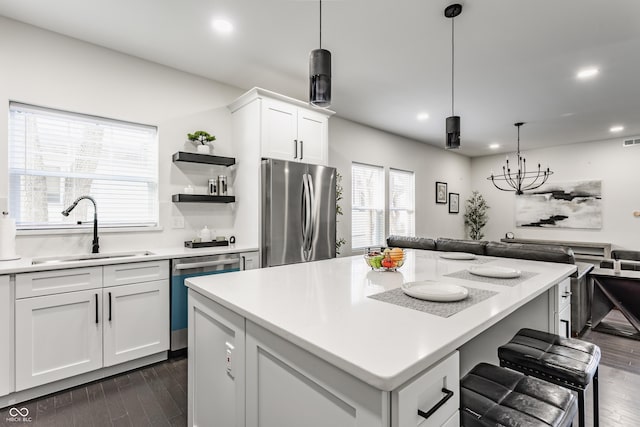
25, 264
323, 307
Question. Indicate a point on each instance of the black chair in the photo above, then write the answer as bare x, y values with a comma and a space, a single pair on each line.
495, 396
567, 362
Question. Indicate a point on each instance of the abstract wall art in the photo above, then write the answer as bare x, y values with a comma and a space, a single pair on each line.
561, 205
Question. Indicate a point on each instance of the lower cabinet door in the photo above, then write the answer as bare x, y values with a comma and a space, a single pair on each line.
6, 326
57, 336
564, 322
136, 321
287, 386
216, 365
431, 399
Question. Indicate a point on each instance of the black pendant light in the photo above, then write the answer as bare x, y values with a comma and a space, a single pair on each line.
453, 122
320, 74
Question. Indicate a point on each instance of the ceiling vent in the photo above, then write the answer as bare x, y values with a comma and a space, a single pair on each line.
631, 141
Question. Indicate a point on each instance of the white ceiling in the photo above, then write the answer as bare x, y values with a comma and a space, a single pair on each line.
516, 60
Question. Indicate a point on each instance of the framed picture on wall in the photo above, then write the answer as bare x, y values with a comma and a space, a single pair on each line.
441, 192
454, 203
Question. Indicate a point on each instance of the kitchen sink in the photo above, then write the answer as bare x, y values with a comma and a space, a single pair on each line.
88, 257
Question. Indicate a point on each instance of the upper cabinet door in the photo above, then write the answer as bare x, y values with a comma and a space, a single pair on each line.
312, 137
279, 127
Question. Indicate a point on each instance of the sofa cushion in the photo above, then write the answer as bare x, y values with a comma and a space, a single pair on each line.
455, 245
394, 241
548, 253
628, 255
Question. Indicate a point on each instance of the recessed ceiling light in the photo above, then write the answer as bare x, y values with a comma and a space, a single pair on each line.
422, 116
587, 73
494, 146
222, 26
617, 128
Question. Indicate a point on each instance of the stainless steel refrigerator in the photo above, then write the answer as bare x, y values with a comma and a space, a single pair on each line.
298, 212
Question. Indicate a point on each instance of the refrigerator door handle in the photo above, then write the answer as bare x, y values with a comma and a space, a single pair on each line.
312, 217
306, 222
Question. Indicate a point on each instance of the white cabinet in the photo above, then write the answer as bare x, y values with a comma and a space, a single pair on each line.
290, 387
57, 336
436, 393
249, 260
216, 365
289, 129
67, 324
136, 321
560, 302
293, 133
6, 336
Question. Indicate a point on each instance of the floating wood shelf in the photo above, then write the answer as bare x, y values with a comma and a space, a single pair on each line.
208, 159
190, 198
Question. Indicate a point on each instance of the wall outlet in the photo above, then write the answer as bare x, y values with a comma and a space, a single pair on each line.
177, 222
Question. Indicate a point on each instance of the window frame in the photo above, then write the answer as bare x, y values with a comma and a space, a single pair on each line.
379, 211
411, 212
150, 221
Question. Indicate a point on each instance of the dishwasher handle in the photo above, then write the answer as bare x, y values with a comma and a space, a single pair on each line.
190, 265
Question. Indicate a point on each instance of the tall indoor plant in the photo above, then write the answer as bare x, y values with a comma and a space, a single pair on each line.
475, 215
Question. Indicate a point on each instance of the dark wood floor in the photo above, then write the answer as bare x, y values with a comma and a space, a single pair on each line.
157, 395
152, 396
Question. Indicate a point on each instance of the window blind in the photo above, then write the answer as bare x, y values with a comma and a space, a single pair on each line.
401, 202
57, 156
367, 205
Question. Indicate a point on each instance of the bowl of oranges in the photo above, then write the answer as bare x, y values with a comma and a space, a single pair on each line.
387, 259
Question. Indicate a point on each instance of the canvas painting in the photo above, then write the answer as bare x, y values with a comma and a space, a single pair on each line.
561, 205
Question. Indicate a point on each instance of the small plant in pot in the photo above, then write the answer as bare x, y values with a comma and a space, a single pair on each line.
201, 139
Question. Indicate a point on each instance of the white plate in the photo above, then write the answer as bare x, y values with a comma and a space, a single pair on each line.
457, 255
435, 291
497, 272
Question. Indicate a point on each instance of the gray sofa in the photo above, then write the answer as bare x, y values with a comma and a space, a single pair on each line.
580, 302
549, 253
629, 260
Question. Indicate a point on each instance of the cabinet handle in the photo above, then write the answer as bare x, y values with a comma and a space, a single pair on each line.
295, 148
448, 395
244, 263
96, 309
109, 306
301, 149
566, 294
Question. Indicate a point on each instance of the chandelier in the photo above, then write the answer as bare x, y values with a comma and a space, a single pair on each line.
519, 180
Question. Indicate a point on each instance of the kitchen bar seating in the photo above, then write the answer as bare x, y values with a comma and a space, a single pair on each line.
495, 396
567, 362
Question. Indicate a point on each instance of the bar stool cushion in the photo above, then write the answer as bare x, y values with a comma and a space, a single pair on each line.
495, 396
566, 360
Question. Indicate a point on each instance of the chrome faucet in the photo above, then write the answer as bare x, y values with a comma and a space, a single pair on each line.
94, 246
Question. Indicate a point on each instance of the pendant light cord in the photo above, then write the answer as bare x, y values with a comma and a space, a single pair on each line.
320, 24
452, 64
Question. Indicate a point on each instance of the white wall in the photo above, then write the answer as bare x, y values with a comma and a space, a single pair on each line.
51, 70
608, 161
349, 141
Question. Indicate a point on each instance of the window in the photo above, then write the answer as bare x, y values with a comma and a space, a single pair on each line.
367, 205
401, 202
57, 156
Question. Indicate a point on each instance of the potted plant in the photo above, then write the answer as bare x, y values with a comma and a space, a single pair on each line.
475, 215
201, 139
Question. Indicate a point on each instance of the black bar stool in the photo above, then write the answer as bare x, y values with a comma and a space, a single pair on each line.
495, 396
567, 362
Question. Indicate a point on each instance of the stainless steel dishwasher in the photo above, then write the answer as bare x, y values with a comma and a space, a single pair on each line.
183, 268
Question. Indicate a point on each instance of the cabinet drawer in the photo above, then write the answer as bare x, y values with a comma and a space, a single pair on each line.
57, 281
425, 392
124, 274
564, 293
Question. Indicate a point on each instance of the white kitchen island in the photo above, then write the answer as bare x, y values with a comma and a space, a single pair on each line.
304, 345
